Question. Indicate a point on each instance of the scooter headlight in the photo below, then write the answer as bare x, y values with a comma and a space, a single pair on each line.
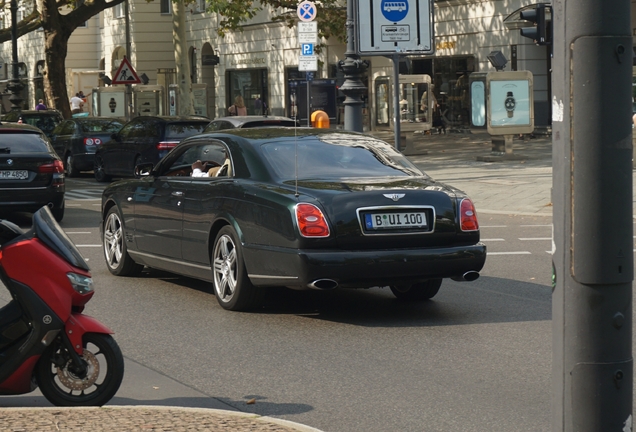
80, 283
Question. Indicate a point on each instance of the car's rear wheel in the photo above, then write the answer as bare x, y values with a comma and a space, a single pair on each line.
232, 287
417, 292
70, 169
118, 260
98, 169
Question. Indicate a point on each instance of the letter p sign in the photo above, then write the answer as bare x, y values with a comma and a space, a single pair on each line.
307, 49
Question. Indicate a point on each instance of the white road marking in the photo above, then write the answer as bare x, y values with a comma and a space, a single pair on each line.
510, 253
549, 225
493, 226
535, 238
493, 239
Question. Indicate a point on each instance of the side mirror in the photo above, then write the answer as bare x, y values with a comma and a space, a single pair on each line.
143, 169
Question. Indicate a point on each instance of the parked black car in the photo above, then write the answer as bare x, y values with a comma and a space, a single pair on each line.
305, 209
31, 174
45, 120
76, 140
142, 140
250, 121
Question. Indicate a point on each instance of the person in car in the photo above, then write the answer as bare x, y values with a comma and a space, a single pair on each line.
199, 170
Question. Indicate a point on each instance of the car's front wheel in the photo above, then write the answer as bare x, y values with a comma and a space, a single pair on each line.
118, 260
99, 170
417, 292
232, 287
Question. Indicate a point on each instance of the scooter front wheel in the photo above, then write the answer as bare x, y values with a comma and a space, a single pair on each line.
63, 385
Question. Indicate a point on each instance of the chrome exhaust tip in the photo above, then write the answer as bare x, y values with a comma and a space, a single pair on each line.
323, 284
469, 276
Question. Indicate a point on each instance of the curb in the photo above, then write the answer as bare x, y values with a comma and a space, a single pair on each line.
35, 419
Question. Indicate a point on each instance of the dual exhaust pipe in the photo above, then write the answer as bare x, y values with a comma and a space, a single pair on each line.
329, 284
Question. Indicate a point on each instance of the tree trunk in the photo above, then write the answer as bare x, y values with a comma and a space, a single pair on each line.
55, 49
186, 106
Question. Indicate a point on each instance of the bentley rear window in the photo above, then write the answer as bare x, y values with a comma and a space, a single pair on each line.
318, 159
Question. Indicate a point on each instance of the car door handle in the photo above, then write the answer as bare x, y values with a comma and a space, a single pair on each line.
177, 193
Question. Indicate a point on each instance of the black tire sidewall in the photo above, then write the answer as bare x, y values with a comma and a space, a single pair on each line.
114, 374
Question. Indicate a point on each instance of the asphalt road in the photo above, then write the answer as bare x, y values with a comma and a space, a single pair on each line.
477, 357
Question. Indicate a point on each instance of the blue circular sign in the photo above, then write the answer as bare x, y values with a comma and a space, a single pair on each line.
394, 10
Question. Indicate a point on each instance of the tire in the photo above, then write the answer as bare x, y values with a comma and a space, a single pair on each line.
417, 292
62, 387
232, 287
70, 170
98, 170
58, 213
118, 260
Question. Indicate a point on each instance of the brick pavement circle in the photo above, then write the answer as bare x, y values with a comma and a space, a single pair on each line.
140, 418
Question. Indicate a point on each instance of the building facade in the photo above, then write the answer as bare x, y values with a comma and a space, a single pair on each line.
260, 63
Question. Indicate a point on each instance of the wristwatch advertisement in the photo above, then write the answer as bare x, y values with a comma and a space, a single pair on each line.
510, 104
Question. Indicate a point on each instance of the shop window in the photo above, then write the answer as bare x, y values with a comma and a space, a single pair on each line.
251, 85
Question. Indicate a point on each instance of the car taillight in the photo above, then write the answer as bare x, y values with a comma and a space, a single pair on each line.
311, 221
166, 145
468, 216
51, 168
92, 141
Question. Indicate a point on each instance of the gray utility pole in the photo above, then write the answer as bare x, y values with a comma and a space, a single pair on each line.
593, 231
353, 88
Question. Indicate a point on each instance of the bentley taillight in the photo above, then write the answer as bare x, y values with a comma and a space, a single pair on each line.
468, 216
311, 221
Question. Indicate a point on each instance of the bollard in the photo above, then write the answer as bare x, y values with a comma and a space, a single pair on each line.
320, 119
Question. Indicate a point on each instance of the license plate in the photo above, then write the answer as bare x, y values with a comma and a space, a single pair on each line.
401, 220
14, 175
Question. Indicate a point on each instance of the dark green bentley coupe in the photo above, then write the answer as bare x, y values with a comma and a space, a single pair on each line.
301, 208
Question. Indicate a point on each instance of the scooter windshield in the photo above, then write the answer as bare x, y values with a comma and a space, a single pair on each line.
47, 229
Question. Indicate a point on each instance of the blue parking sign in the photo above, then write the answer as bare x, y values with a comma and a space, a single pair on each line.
307, 49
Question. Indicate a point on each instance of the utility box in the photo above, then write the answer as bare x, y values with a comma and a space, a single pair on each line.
148, 100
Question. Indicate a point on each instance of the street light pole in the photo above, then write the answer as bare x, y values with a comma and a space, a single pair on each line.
14, 86
353, 88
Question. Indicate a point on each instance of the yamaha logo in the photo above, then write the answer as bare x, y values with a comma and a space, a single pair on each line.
47, 319
394, 197
10, 161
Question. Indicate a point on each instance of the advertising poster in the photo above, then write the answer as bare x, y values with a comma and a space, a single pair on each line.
112, 104
510, 103
478, 103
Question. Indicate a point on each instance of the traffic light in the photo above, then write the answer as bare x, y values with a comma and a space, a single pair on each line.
540, 32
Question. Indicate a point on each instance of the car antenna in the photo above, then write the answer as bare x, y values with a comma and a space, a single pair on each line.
296, 157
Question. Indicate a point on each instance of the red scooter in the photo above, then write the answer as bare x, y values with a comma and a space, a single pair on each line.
45, 340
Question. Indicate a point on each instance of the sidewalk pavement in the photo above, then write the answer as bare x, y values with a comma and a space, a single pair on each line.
515, 184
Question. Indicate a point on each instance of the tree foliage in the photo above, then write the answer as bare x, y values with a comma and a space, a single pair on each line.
58, 23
